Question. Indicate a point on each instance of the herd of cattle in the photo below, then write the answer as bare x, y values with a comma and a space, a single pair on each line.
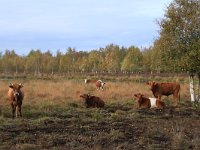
16, 95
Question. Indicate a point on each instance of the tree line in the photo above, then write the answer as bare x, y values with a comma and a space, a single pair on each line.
176, 50
112, 58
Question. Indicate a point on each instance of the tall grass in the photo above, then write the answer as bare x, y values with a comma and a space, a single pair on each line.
44, 97
61, 91
54, 115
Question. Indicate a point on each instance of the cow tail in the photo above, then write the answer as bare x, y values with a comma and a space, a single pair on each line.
179, 95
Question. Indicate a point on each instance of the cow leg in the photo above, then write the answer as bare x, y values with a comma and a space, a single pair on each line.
159, 97
13, 110
16, 111
175, 97
175, 104
19, 110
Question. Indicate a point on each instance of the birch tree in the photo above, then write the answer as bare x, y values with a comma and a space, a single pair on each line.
33, 63
132, 60
179, 39
113, 57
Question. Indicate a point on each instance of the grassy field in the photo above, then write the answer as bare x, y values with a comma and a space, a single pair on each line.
54, 117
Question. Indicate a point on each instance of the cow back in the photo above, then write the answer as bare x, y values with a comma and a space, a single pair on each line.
165, 88
169, 88
144, 102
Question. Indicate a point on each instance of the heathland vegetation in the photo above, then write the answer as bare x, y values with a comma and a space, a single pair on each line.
55, 117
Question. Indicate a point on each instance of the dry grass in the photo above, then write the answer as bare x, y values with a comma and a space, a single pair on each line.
54, 117
47, 95
62, 91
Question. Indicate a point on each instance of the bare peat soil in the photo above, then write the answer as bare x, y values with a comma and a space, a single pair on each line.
117, 126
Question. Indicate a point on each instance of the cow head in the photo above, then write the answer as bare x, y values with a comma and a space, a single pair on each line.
152, 84
103, 83
139, 96
85, 96
16, 88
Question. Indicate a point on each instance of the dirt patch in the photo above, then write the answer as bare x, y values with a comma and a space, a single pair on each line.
114, 127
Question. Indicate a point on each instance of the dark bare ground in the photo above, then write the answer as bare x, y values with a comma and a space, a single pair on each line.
117, 126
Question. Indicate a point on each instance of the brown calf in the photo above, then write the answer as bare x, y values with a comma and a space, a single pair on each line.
15, 97
165, 88
92, 101
144, 102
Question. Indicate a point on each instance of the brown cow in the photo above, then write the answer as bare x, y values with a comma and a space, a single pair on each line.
15, 97
99, 83
92, 101
165, 88
144, 102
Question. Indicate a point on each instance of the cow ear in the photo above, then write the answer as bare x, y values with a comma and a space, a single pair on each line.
137, 95
154, 83
11, 85
85, 80
150, 83
21, 85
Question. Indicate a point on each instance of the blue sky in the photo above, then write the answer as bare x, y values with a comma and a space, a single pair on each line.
80, 24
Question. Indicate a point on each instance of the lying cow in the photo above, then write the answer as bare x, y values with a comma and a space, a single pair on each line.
144, 102
165, 88
92, 101
15, 97
99, 83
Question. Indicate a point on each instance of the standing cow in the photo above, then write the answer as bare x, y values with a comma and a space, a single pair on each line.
99, 83
165, 88
15, 97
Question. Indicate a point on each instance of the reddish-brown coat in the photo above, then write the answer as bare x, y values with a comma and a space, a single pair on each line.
92, 101
15, 97
165, 88
144, 102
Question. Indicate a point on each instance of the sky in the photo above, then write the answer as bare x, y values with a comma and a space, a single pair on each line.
81, 24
